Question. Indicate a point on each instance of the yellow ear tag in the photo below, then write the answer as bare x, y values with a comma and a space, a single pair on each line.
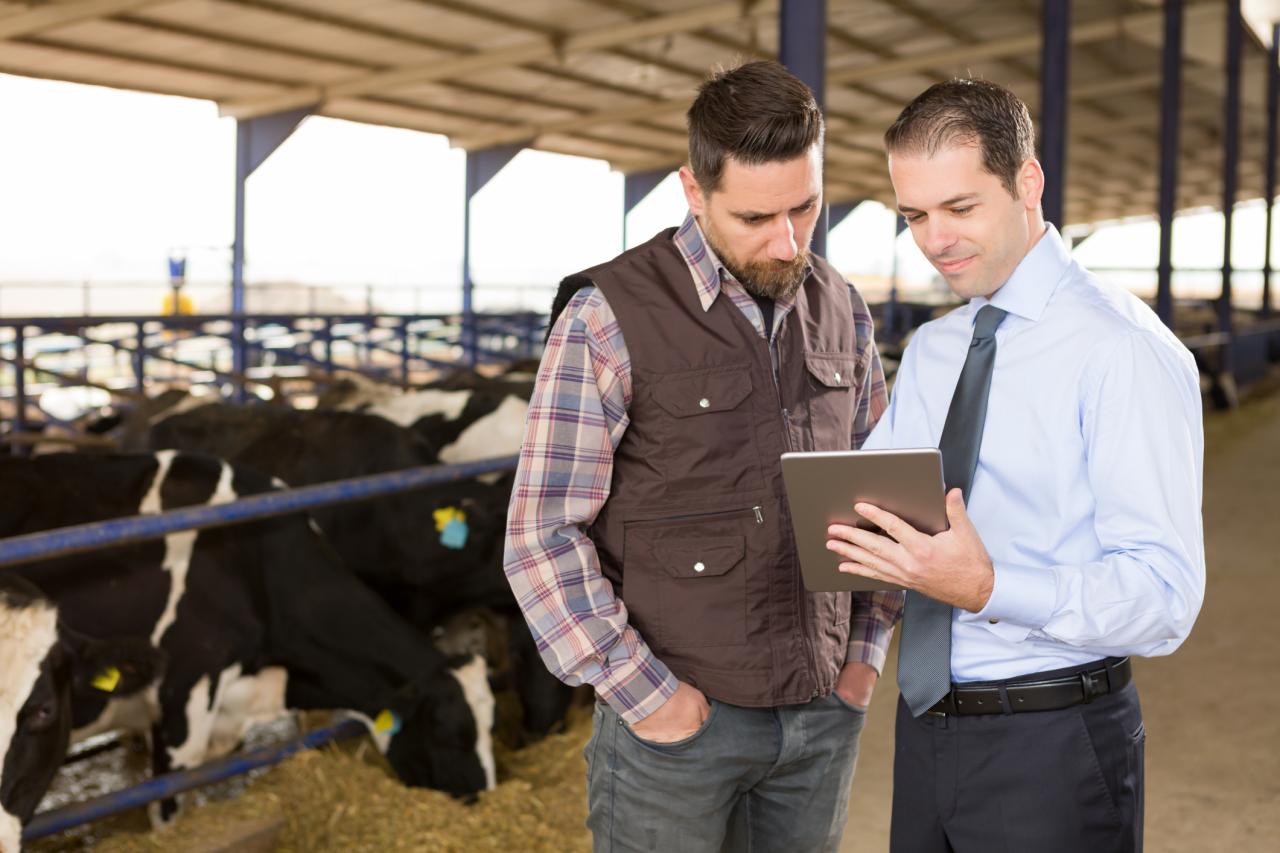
108, 680
387, 723
444, 515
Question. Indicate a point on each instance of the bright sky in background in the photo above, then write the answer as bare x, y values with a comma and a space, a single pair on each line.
100, 185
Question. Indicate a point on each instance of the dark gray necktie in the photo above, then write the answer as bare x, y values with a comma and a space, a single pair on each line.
924, 655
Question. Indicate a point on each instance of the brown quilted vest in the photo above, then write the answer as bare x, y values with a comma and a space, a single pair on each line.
696, 534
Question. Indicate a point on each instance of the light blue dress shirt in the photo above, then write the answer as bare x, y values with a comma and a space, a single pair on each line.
1087, 493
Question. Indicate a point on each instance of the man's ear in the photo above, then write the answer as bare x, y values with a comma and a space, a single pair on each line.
112, 667
693, 194
1031, 183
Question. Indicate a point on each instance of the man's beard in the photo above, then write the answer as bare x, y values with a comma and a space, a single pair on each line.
767, 279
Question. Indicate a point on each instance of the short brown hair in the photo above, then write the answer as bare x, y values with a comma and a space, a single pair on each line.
756, 113
968, 112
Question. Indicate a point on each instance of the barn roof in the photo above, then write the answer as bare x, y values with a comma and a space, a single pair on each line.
611, 79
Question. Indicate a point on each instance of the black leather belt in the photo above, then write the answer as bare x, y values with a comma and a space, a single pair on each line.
1033, 693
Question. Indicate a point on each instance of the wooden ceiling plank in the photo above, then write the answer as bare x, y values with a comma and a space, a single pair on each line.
52, 15
535, 50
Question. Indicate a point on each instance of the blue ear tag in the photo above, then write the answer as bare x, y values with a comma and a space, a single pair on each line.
455, 534
387, 723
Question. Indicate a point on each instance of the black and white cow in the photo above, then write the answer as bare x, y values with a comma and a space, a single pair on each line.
464, 416
402, 545
252, 620
45, 671
397, 543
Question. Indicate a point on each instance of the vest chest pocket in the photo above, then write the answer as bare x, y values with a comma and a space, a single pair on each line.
702, 430
834, 381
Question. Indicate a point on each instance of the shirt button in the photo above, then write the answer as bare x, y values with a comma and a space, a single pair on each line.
993, 621
704, 403
837, 376
699, 567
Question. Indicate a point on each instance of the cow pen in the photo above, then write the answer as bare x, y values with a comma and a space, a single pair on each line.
105, 534
204, 349
68, 817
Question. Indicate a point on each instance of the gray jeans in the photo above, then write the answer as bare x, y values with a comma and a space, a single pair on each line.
751, 779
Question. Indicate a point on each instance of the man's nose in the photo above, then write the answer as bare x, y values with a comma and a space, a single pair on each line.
938, 238
782, 240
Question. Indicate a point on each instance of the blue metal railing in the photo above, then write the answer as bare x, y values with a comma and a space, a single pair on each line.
398, 338
171, 784
122, 531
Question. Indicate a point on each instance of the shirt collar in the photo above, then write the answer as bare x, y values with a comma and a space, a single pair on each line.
701, 259
1027, 291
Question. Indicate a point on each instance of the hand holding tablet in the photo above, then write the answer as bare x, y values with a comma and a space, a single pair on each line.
823, 487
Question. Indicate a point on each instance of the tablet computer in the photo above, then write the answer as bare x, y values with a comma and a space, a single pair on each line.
822, 488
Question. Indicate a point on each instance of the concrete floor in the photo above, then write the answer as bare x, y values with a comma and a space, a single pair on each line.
1212, 709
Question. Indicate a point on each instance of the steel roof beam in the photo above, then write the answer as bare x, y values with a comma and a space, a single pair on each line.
1093, 31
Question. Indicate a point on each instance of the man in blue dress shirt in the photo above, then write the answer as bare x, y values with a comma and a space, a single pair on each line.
1076, 537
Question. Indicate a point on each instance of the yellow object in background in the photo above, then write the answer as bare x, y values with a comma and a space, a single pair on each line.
185, 305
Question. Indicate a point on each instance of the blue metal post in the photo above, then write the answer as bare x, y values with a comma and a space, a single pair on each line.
256, 139
802, 48
635, 189
482, 166
404, 352
1054, 84
1230, 162
1170, 103
1269, 169
19, 382
327, 336
839, 212
140, 359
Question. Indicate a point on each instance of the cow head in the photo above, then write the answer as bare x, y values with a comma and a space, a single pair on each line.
43, 667
445, 731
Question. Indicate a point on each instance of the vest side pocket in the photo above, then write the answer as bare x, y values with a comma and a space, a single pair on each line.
686, 580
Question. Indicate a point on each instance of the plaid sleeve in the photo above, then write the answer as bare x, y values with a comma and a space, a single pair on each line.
874, 613
577, 416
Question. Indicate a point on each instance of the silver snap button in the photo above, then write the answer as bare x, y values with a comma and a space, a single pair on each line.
704, 403
993, 621
699, 567
837, 376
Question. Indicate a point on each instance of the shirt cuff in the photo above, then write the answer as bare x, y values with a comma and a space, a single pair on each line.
638, 683
869, 638
1022, 595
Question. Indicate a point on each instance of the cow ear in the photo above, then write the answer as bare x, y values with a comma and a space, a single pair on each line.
114, 667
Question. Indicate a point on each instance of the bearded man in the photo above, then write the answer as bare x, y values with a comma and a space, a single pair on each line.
648, 540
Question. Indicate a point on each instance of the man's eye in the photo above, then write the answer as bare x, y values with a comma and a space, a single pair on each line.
961, 211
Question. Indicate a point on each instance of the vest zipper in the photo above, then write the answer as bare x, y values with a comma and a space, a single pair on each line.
800, 608
698, 516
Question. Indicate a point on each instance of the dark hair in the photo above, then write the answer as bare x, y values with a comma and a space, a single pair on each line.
968, 112
756, 113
